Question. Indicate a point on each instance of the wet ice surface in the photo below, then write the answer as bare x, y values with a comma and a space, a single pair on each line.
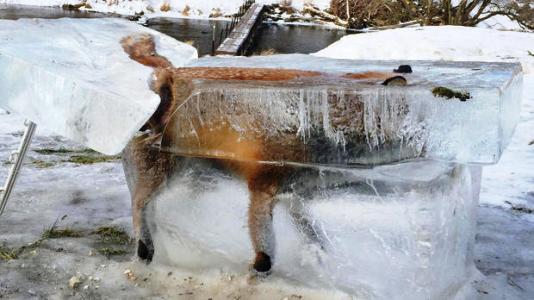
340, 122
73, 77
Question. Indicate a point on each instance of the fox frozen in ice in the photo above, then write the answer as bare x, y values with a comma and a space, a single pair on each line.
150, 168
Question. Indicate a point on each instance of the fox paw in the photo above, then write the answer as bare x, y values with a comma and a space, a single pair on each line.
262, 263
144, 251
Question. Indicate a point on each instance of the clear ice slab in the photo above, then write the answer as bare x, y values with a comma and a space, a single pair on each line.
401, 226
340, 122
402, 231
72, 77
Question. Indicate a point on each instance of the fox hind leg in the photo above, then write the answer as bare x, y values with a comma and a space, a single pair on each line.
148, 170
263, 188
260, 224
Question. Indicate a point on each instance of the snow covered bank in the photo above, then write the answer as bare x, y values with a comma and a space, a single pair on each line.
453, 43
169, 8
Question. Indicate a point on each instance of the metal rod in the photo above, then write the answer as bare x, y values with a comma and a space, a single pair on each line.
14, 172
214, 28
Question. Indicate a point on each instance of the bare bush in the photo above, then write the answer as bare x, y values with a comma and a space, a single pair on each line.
365, 13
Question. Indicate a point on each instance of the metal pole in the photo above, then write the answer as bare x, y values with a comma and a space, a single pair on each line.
213, 40
14, 172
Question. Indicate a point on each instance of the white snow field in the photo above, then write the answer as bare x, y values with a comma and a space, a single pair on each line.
168, 8
55, 185
72, 76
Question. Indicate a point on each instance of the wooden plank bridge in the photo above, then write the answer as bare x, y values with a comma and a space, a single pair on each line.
242, 35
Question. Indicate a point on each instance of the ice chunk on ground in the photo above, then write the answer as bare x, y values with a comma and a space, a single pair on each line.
72, 76
332, 120
394, 232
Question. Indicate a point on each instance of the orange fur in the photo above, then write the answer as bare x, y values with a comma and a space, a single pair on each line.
253, 74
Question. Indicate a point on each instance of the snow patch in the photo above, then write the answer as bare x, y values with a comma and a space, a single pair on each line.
454, 43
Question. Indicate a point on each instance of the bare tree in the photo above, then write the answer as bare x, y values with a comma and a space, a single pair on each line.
364, 13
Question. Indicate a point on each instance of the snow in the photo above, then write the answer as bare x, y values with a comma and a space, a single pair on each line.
453, 43
500, 23
152, 8
80, 83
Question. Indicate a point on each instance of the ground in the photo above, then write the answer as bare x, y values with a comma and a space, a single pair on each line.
64, 186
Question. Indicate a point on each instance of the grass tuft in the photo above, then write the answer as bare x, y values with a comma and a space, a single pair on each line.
54, 233
91, 159
530, 53
448, 93
49, 151
83, 156
8, 254
114, 235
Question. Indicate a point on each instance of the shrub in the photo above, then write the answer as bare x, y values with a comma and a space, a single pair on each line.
366, 13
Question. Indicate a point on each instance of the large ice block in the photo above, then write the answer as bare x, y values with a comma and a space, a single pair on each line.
72, 76
403, 231
339, 121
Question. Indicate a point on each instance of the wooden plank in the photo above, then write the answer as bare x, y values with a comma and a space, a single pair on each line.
243, 33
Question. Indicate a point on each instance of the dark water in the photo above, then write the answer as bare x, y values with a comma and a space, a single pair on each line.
295, 38
13, 12
198, 31
280, 38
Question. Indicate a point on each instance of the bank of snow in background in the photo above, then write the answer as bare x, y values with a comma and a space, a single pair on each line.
175, 8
